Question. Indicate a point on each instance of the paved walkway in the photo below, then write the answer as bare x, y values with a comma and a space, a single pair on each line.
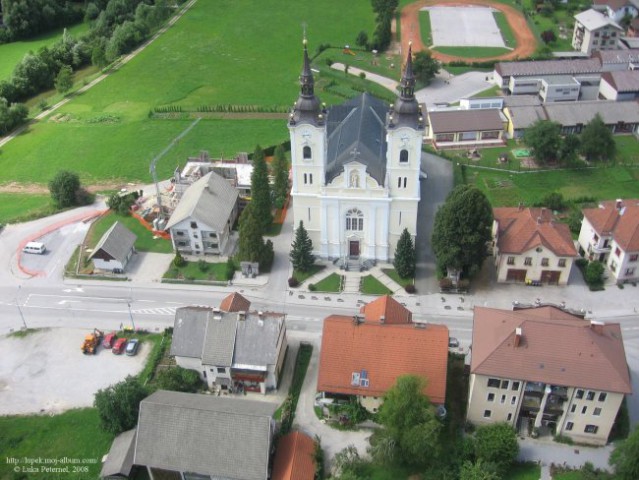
373, 77
549, 452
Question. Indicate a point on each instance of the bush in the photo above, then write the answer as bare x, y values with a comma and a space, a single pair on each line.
445, 283
463, 284
410, 288
292, 282
179, 261
312, 287
554, 201
64, 188
594, 273
230, 269
202, 266
179, 379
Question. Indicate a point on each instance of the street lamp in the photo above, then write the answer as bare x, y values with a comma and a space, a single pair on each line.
19, 309
131, 316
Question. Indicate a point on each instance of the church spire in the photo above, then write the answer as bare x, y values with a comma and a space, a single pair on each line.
408, 78
406, 110
307, 107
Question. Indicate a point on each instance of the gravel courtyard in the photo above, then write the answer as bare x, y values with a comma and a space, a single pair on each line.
46, 371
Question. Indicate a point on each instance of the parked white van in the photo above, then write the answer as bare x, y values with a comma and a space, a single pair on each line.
34, 247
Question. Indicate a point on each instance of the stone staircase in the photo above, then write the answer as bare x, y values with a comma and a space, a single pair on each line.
353, 264
351, 282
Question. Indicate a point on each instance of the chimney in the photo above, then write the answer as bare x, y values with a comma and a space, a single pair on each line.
241, 315
618, 203
597, 327
382, 319
518, 335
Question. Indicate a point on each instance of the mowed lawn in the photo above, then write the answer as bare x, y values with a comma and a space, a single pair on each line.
14, 205
227, 52
12, 53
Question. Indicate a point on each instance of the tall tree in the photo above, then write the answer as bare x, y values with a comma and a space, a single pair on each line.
462, 230
625, 457
64, 79
64, 188
544, 139
280, 172
410, 425
597, 142
302, 250
251, 246
261, 191
425, 67
497, 444
119, 404
404, 261
478, 471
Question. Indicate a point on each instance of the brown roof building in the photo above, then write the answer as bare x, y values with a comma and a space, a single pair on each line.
610, 234
549, 368
530, 245
235, 303
448, 128
363, 355
294, 458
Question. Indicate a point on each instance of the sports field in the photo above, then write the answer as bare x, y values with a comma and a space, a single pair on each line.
205, 59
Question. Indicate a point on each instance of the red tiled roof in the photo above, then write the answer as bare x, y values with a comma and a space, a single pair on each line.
381, 352
387, 307
521, 229
622, 223
235, 303
294, 458
555, 347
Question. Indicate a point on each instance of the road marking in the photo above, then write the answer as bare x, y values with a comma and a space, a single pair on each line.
64, 302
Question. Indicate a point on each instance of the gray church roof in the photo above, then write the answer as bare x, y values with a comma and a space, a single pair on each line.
116, 242
220, 437
210, 200
356, 132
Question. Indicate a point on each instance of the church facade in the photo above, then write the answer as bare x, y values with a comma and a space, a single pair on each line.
356, 170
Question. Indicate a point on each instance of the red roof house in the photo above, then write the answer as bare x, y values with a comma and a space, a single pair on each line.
294, 458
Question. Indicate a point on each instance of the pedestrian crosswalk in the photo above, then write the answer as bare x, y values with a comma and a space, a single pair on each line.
154, 311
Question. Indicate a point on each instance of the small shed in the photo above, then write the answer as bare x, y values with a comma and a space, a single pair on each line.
114, 250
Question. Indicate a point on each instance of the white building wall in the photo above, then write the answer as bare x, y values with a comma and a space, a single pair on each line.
584, 415
536, 267
108, 265
607, 91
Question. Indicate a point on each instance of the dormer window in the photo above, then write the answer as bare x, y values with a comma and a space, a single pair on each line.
306, 152
403, 156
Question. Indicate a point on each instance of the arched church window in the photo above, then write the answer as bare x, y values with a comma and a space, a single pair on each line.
306, 152
354, 220
403, 156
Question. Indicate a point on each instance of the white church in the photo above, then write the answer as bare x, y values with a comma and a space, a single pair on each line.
356, 170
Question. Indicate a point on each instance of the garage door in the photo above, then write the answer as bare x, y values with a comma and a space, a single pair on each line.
550, 276
516, 275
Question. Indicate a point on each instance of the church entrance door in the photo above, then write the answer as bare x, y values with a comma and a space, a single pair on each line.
354, 248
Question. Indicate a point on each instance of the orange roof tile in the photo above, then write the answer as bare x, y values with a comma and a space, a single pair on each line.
555, 347
294, 458
235, 303
522, 229
619, 221
387, 307
382, 352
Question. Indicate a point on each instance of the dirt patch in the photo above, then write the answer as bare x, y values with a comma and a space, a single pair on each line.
38, 189
526, 41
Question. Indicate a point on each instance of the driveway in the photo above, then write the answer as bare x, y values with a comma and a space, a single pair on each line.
46, 371
447, 88
434, 190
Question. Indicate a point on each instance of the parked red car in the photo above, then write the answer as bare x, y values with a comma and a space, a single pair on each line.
109, 340
118, 346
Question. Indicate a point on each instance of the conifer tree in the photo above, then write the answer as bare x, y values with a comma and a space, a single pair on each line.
302, 250
251, 246
261, 191
280, 172
404, 261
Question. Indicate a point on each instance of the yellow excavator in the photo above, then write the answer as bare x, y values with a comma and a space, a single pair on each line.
91, 342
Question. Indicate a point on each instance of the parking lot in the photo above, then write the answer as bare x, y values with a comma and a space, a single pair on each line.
46, 371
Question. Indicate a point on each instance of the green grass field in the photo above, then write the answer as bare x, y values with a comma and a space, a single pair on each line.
392, 273
192, 271
424, 27
144, 243
12, 53
523, 471
73, 434
332, 283
204, 59
15, 207
506, 32
472, 52
371, 286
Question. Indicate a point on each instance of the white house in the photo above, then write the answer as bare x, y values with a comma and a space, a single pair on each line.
356, 169
620, 85
595, 31
114, 250
610, 234
617, 9
202, 221
529, 245
231, 349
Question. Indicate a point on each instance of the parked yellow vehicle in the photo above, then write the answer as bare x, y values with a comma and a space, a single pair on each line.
91, 342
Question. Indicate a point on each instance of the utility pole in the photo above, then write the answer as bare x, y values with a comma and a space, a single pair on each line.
19, 309
160, 155
131, 317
